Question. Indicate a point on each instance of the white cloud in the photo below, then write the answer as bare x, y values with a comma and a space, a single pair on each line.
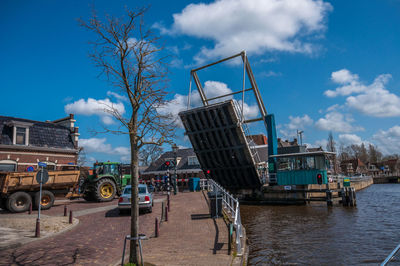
343, 76
376, 100
270, 74
256, 26
337, 122
373, 99
211, 89
295, 123
388, 141
95, 107
350, 84
349, 139
117, 96
99, 145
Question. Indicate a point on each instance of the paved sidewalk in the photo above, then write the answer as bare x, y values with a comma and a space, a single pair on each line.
98, 238
189, 238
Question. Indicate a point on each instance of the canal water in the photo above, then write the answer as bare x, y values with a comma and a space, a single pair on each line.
317, 235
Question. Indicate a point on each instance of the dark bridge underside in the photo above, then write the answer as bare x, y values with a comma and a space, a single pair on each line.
220, 145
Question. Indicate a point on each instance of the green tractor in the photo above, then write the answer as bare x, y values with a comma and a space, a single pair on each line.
106, 181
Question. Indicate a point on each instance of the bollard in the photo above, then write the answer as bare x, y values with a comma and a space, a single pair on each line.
30, 208
168, 201
70, 217
166, 214
37, 231
157, 228
162, 210
65, 210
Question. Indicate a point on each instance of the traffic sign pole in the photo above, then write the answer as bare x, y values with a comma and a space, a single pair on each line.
40, 180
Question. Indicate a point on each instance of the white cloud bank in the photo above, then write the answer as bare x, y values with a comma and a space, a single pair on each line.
388, 141
256, 26
99, 145
349, 139
373, 100
337, 122
289, 130
95, 107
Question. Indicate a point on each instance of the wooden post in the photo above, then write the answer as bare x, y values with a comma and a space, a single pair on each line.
162, 211
70, 217
166, 214
157, 228
329, 201
37, 231
65, 210
168, 202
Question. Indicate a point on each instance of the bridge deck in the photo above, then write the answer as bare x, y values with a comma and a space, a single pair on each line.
220, 145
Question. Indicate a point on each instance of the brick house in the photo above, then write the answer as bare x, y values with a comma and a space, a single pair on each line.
353, 166
188, 165
24, 143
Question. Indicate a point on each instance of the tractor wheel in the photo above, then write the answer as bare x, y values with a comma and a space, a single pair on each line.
18, 202
105, 190
47, 200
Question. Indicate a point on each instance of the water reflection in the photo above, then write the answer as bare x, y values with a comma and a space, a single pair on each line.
317, 235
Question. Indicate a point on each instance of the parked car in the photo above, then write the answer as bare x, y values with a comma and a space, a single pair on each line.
145, 199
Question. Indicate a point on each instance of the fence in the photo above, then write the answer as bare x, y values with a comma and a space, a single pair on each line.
231, 207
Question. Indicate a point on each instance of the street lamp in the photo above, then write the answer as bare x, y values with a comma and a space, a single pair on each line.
175, 150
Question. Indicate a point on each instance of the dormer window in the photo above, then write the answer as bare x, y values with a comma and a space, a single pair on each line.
192, 160
20, 132
20, 136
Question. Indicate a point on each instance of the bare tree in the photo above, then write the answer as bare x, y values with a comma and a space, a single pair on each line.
150, 154
134, 63
330, 146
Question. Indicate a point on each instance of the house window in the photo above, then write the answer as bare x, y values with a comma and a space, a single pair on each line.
8, 166
192, 160
20, 136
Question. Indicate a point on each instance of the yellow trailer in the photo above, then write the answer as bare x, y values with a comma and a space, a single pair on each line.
20, 189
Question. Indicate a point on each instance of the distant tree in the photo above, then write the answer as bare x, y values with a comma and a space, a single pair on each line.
374, 154
130, 56
150, 154
330, 146
343, 153
363, 156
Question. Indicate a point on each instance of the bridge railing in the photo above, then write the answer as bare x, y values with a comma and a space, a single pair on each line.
231, 207
391, 256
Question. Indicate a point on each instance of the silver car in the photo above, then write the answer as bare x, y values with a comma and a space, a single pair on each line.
145, 199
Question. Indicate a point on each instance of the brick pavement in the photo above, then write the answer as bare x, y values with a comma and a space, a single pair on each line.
98, 239
187, 241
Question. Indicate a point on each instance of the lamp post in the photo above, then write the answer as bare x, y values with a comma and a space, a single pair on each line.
175, 150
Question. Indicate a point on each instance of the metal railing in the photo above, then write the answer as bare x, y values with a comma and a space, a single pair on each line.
391, 256
231, 207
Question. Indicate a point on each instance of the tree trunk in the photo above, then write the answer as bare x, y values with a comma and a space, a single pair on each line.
134, 249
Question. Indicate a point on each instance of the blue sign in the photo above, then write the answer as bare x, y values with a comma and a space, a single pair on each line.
42, 164
30, 169
71, 164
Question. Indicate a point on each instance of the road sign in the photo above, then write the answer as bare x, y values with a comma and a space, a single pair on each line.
42, 179
30, 169
42, 164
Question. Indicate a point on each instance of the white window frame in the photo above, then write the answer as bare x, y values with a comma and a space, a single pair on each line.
190, 162
20, 124
15, 163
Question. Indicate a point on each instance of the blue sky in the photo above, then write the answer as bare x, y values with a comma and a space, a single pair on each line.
321, 66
